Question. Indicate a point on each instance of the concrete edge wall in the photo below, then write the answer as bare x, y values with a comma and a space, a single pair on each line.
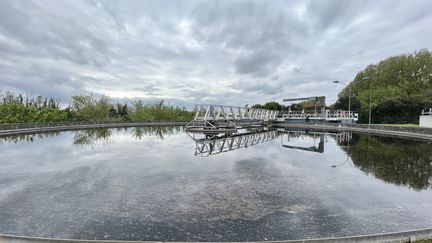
425, 121
58, 128
408, 132
394, 127
405, 236
360, 129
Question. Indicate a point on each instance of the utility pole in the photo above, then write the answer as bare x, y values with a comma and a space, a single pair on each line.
370, 103
349, 95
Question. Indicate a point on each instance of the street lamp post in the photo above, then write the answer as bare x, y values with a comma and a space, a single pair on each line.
349, 96
370, 104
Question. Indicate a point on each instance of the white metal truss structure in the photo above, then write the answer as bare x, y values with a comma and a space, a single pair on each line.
217, 144
221, 112
327, 115
218, 116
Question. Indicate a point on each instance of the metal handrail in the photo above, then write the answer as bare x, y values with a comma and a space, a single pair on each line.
206, 112
427, 113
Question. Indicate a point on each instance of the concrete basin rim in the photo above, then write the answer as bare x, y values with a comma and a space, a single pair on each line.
417, 234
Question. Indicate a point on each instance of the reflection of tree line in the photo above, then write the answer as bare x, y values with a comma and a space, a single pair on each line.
160, 132
398, 161
92, 136
27, 137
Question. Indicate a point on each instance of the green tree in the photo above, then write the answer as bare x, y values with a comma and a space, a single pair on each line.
343, 103
91, 107
158, 111
272, 106
400, 81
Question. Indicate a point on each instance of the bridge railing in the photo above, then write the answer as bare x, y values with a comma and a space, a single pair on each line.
338, 114
222, 112
427, 113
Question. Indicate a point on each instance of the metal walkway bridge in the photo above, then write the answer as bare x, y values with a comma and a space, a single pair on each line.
226, 119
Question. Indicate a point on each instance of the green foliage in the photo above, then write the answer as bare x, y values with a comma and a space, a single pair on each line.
308, 105
401, 109
90, 107
343, 103
398, 84
16, 109
119, 112
20, 113
158, 111
273, 106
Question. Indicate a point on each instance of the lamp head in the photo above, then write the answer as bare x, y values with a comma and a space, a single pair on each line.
336, 81
366, 78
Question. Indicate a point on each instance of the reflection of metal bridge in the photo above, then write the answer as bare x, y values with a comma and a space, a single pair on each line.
314, 148
225, 119
219, 144
340, 138
216, 144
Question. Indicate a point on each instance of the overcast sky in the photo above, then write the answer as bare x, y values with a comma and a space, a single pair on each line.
187, 52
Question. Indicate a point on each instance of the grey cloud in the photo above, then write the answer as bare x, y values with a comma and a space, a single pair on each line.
260, 35
230, 52
52, 35
259, 86
258, 63
148, 88
37, 79
326, 14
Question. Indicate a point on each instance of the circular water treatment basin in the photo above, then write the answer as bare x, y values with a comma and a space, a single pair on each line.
161, 184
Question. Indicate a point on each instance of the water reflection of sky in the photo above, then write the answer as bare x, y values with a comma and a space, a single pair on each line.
133, 185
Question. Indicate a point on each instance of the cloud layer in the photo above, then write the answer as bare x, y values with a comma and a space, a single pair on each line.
229, 52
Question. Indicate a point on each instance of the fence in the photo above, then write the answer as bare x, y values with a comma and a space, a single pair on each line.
363, 127
427, 113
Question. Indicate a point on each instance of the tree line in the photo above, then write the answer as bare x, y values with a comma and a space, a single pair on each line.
398, 89
17, 108
273, 105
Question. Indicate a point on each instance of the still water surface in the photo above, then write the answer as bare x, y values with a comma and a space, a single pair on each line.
160, 184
